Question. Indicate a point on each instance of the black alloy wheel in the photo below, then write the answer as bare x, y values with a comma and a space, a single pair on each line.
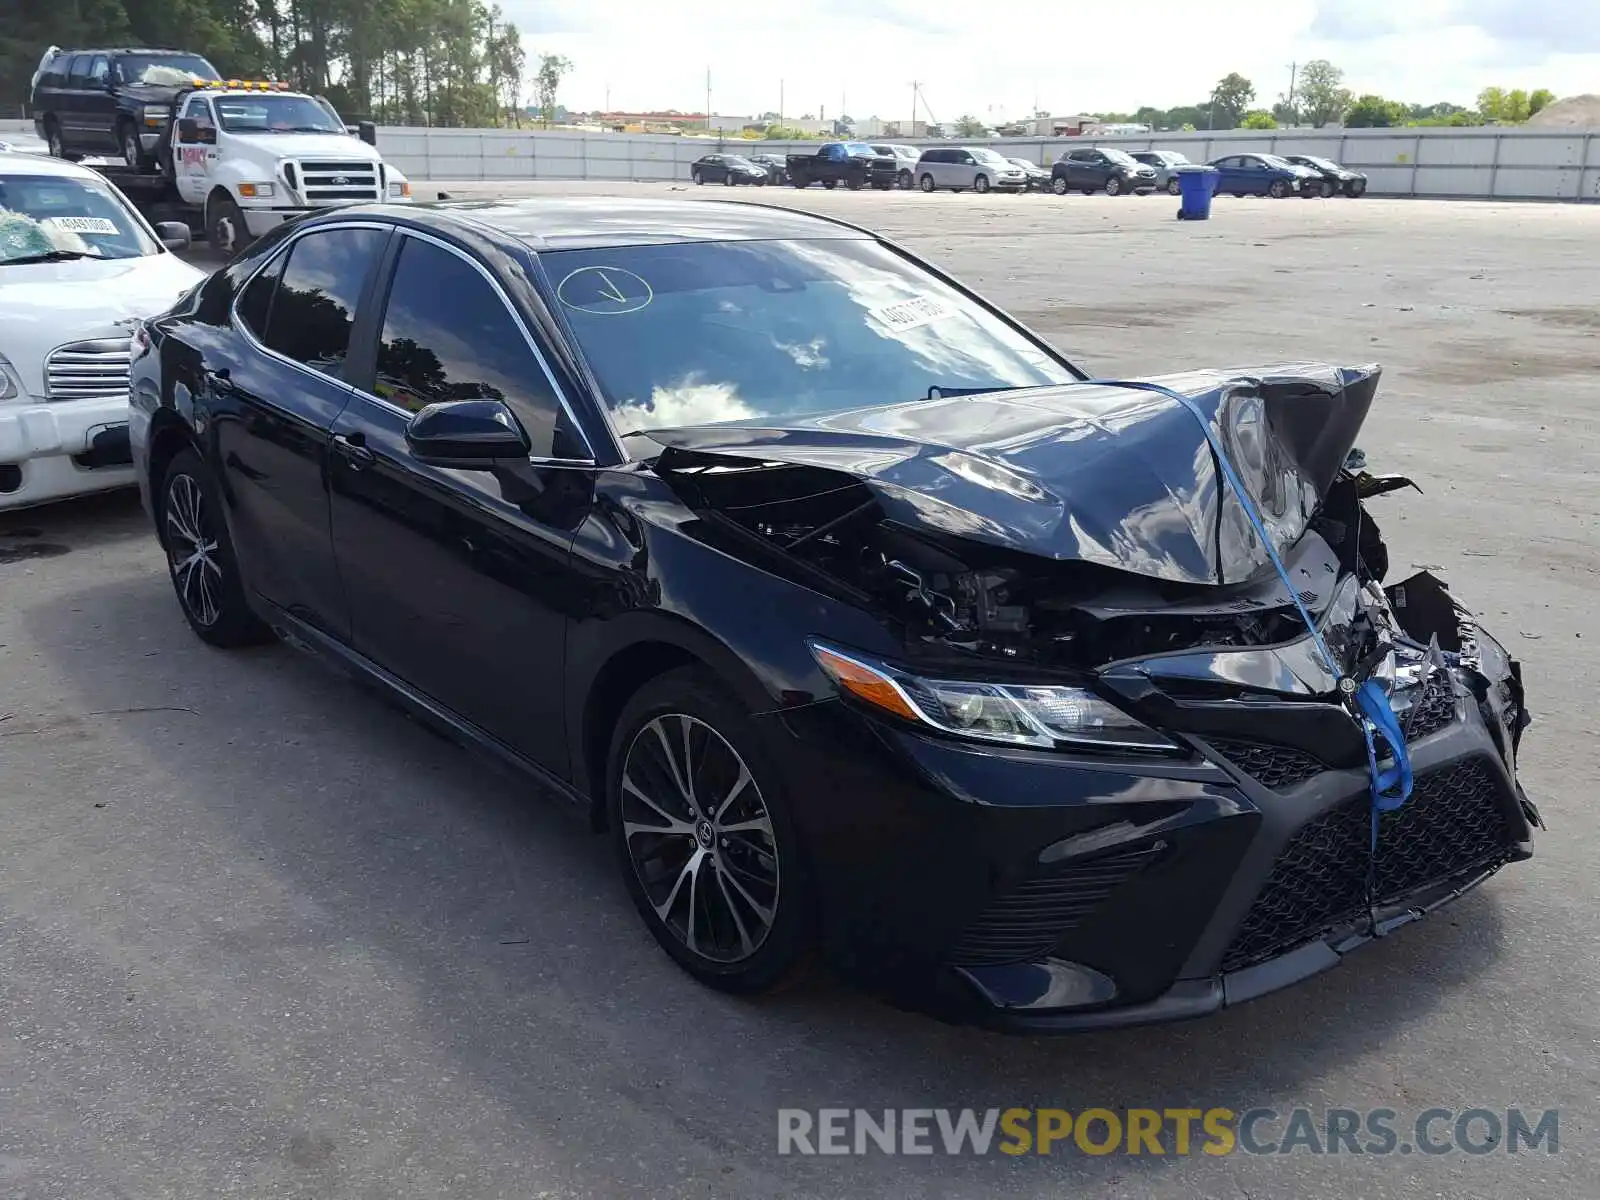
200, 557
700, 822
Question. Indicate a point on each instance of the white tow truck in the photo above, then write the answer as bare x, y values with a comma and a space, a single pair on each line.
243, 156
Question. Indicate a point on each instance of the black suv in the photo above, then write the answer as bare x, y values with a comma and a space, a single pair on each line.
1105, 169
115, 102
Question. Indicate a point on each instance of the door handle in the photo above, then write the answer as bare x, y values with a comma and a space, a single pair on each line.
352, 447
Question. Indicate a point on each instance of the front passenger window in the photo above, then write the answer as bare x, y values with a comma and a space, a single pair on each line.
314, 308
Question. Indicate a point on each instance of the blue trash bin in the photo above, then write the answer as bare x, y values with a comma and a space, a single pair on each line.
1196, 185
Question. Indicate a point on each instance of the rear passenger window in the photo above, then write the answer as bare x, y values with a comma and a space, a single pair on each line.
447, 335
255, 304
99, 69
314, 307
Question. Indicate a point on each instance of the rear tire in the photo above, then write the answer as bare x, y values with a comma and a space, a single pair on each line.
830, 184
721, 887
1174, 188
1328, 189
200, 558
905, 181
1058, 185
728, 180
55, 142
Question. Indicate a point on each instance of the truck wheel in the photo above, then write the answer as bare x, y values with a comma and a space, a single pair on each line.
980, 184
830, 184
927, 183
797, 180
128, 140
904, 180
226, 232
52, 137
856, 182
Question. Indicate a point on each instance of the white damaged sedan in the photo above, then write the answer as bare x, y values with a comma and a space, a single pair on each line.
78, 268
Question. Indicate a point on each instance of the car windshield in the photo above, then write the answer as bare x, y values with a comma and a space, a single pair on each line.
734, 160
984, 154
858, 148
268, 113
165, 70
1272, 160
1311, 160
1119, 156
729, 331
45, 217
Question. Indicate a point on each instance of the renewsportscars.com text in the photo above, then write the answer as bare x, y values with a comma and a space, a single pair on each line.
1166, 1131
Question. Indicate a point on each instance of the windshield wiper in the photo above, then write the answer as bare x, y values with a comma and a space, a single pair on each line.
51, 256
937, 392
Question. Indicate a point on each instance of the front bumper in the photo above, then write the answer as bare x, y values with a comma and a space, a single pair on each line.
1035, 892
62, 448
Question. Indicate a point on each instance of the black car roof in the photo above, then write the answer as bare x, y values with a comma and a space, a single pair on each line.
588, 222
126, 50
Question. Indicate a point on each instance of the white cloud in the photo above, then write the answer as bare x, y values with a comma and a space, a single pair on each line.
994, 61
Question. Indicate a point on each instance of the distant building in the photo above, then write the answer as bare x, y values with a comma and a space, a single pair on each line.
907, 129
670, 121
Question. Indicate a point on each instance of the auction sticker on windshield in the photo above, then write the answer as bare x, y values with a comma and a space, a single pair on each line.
604, 291
910, 314
81, 224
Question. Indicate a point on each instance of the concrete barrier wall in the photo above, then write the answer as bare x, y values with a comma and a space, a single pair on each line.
1488, 163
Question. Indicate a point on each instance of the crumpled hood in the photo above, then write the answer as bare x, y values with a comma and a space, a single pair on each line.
1087, 472
43, 305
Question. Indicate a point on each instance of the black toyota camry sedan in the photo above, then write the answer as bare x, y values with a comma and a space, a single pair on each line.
862, 622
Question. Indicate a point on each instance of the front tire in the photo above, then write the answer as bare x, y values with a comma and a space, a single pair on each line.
226, 232
1113, 186
728, 180
200, 558
701, 824
830, 184
905, 181
1278, 190
980, 184
1174, 188
927, 184
697, 178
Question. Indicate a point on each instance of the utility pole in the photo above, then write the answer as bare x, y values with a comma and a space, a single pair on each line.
911, 129
1293, 74
780, 102
708, 99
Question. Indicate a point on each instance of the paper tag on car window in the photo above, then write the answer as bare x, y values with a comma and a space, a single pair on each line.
81, 224
909, 314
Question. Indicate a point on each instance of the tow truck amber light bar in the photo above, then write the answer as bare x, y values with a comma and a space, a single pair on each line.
243, 85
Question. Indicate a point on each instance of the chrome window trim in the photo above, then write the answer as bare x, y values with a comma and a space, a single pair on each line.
245, 331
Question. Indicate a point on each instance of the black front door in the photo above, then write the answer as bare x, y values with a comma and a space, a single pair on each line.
274, 408
459, 581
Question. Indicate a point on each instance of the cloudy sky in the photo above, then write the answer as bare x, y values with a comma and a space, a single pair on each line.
994, 59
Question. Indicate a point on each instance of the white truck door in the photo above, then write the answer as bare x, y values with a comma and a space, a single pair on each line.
194, 148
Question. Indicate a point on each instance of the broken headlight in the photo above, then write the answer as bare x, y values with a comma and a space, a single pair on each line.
1043, 715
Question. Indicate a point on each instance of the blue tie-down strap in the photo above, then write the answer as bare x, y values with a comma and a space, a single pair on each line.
1390, 785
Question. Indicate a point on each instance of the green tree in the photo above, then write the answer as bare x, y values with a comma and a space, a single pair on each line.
1322, 96
1492, 103
968, 126
1230, 98
1540, 99
547, 81
1371, 112
1258, 118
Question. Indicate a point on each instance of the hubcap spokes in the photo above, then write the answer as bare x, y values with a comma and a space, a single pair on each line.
192, 554
700, 838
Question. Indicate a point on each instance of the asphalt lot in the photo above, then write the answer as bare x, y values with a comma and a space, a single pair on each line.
263, 936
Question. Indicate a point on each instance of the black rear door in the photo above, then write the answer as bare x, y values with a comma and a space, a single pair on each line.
299, 314
460, 580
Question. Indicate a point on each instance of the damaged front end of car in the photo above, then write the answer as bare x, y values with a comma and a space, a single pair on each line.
1080, 545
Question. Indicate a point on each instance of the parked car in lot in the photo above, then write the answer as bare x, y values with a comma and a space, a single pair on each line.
114, 101
1332, 178
774, 165
638, 496
1036, 178
968, 168
78, 267
1260, 175
1165, 163
905, 162
854, 164
729, 169
1090, 169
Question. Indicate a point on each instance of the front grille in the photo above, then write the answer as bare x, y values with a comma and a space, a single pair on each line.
1319, 881
88, 370
321, 181
1276, 767
1026, 922
1433, 710
1454, 822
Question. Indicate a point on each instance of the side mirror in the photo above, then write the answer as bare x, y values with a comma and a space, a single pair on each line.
466, 434
367, 131
174, 235
188, 129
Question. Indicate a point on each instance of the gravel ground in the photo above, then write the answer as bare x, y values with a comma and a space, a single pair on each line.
262, 936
